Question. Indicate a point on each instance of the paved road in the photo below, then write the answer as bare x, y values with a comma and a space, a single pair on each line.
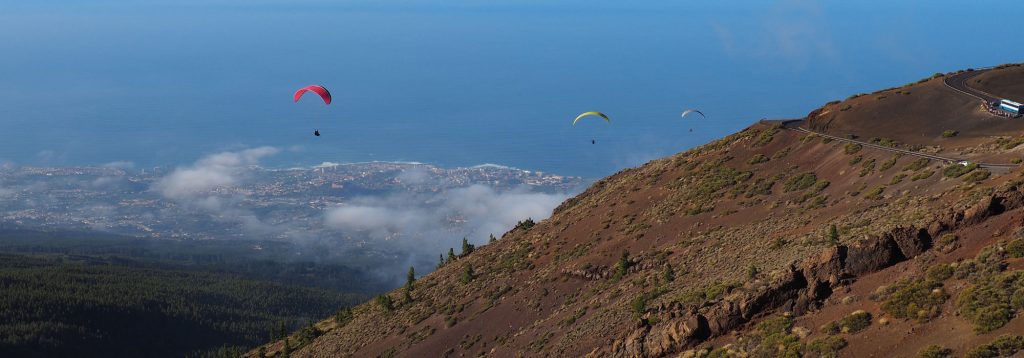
958, 82
795, 125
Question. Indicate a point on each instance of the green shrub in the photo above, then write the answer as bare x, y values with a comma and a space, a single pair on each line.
708, 293
384, 302
752, 271
853, 323
1015, 248
935, 351
639, 303
957, 170
757, 159
913, 299
856, 159
825, 347
766, 136
940, 272
888, 163
867, 167
668, 273
718, 290
1004, 346
306, 335
343, 316
898, 178
947, 239
1010, 143
817, 202
781, 154
993, 302
922, 175
885, 142
777, 243
820, 185
622, 266
967, 269
917, 165
977, 176
800, 182
524, 225
773, 337
874, 193
851, 148
986, 265
467, 274
775, 325
467, 248
949, 133
832, 236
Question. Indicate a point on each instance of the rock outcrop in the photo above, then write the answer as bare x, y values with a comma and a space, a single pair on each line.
801, 287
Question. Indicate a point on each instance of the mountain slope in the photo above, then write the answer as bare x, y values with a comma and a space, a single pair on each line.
710, 247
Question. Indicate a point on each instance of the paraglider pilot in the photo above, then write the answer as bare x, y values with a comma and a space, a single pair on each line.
320, 91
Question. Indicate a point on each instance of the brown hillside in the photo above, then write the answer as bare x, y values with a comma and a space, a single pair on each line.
916, 115
1004, 82
725, 238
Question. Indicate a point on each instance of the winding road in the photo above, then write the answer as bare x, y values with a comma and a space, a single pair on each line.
957, 82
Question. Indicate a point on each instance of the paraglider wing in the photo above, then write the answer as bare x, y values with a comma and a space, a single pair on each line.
591, 113
318, 89
688, 111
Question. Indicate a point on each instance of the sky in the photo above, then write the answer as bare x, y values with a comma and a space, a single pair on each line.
453, 83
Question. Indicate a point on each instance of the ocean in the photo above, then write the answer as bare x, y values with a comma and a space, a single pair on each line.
160, 83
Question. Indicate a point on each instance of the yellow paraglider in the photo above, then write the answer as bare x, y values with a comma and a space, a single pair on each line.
591, 113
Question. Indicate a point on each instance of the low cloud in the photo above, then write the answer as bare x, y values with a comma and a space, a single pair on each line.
213, 171
193, 187
427, 224
415, 176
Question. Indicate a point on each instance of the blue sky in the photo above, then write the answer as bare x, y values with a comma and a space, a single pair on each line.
452, 82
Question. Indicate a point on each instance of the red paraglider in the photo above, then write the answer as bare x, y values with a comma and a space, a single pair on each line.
318, 89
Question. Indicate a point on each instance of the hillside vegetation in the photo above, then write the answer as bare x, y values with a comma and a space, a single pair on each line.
768, 242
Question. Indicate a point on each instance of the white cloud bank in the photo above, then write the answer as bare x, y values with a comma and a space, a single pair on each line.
430, 223
213, 171
191, 187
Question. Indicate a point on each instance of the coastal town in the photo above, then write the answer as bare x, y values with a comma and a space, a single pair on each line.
125, 201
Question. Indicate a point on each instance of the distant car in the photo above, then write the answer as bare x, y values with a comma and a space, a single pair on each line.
964, 163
